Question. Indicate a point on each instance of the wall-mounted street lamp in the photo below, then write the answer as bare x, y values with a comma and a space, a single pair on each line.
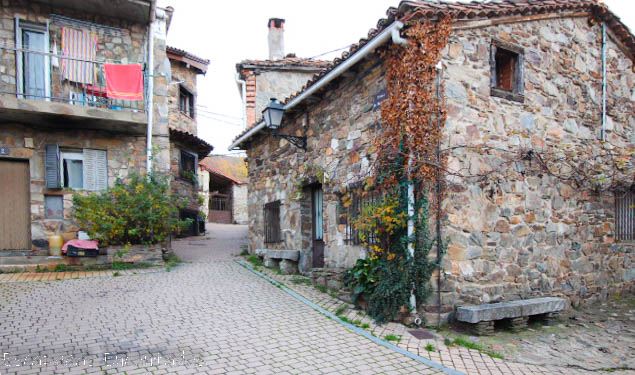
272, 115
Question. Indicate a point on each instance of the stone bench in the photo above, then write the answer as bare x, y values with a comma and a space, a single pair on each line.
287, 260
516, 313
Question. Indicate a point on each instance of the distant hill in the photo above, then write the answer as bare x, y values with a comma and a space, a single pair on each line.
231, 166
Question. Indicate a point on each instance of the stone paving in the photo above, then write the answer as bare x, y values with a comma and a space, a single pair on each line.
208, 316
19, 277
570, 355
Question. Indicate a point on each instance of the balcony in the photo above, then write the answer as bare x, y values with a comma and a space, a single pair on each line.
42, 89
131, 10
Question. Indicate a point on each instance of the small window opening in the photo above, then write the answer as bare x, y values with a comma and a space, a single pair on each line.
505, 68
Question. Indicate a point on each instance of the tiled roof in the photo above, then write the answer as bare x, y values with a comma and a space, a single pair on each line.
221, 174
475, 10
185, 56
231, 167
201, 147
286, 62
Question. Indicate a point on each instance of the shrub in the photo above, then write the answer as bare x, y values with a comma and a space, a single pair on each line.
142, 210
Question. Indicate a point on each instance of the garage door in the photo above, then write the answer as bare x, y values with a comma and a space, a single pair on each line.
15, 213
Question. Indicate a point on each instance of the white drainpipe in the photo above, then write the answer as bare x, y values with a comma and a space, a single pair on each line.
603, 81
368, 48
150, 99
243, 90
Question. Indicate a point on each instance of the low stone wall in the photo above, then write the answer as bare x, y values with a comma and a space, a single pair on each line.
331, 278
137, 254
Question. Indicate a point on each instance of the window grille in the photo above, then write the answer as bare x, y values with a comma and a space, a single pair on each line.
625, 216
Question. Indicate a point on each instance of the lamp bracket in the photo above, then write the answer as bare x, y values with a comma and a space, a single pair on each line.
299, 142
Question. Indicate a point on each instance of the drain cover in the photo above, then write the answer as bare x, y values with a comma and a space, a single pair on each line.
421, 334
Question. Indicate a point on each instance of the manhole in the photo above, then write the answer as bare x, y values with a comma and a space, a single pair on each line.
421, 334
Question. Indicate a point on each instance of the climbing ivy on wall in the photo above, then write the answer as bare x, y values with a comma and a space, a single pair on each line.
407, 153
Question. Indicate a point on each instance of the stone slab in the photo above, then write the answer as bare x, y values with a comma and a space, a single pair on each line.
512, 309
293, 255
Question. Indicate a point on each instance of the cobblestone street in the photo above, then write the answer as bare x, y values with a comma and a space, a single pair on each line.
209, 316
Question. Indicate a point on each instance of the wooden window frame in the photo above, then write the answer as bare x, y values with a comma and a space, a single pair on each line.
517, 92
625, 216
189, 101
271, 221
182, 170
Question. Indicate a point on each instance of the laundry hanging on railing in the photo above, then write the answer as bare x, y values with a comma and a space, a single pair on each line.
80, 45
124, 81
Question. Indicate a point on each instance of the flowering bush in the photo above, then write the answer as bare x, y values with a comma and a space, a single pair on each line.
140, 211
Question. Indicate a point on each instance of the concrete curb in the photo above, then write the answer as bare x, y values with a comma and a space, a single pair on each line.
357, 330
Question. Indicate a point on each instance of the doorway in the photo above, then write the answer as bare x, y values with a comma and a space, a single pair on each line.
317, 216
15, 200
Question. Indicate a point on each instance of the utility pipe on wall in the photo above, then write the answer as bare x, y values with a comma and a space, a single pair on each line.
243, 91
603, 81
150, 93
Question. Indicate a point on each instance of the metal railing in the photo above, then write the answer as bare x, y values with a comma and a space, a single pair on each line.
36, 75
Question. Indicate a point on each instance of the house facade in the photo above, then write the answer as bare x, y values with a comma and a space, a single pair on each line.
530, 235
186, 149
69, 122
226, 187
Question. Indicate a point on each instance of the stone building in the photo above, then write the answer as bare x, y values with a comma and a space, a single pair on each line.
279, 76
61, 131
226, 185
518, 238
186, 149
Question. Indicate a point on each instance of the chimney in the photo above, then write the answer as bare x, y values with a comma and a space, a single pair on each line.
276, 38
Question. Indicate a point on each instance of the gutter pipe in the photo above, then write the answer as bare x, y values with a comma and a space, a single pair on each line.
150, 94
380, 39
603, 81
243, 91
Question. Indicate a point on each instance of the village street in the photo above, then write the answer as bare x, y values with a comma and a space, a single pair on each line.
209, 316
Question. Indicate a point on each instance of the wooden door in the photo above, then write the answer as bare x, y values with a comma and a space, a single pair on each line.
318, 226
15, 205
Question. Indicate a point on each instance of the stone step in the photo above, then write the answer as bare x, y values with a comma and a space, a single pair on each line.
9, 263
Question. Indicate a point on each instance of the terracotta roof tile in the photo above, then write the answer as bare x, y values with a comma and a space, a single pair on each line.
480, 10
287, 61
202, 148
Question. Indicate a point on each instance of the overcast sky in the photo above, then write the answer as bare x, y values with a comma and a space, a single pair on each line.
226, 32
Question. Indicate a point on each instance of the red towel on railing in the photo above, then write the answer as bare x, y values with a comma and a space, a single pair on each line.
124, 81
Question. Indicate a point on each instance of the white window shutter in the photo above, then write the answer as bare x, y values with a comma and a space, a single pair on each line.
95, 170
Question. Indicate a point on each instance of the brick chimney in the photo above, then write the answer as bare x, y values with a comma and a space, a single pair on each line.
276, 38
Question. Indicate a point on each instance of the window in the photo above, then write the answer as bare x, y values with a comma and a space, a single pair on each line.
348, 215
188, 165
54, 206
33, 66
625, 216
219, 203
272, 222
186, 101
72, 168
76, 169
506, 63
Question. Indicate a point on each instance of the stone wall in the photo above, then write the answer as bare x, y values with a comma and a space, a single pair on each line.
339, 130
125, 154
178, 119
516, 239
278, 83
533, 235
239, 204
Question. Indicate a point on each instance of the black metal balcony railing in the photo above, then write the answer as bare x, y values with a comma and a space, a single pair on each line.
44, 76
